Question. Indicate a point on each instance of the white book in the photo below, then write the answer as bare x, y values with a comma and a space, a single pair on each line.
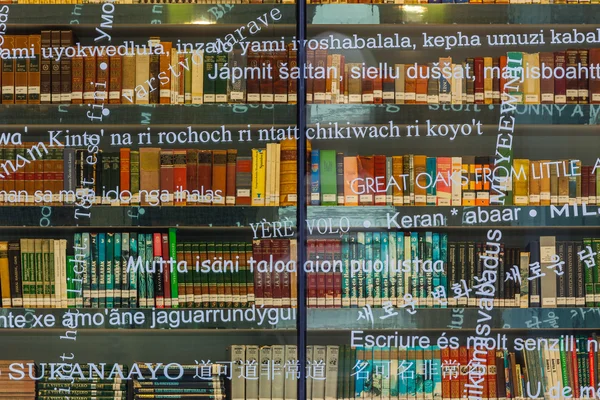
264, 379
238, 361
291, 387
252, 385
197, 77
278, 380
87, 253
331, 373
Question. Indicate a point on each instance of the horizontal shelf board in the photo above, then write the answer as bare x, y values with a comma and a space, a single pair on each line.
321, 319
207, 15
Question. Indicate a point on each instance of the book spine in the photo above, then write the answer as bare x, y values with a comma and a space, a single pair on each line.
174, 275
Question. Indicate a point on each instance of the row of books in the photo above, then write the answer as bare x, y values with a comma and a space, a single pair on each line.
161, 73
153, 176
132, 270
337, 179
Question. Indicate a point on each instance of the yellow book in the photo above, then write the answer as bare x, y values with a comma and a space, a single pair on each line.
531, 86
259, 170
4, 276
197, 77
488, 80
520, 182
544, 184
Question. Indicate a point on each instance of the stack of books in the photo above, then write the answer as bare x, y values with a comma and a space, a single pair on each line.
80, 386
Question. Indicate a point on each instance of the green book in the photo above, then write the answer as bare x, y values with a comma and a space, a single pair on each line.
221, 83
414, 254
133, 275
124, 274
94, 275
209, 84
217, 278
399, 274
134, 173
385, 277
27, 274
514, 64
197, 275
141, 249
589, 275
595, 276
110, 276
346, 270
227, 276
71, 274
563, 363
431, 166
211, 300
150, 300
234, 276
360, 279
117, 271
174, 275
377, 273
369, 276
428, 256
444, 258
87, 273
49, 255
80, 253
187, 78
102, 270
435, 252
249, 275
328, 179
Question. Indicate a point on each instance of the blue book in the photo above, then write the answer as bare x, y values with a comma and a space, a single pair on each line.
436, 259
376, 271
383, 257
362, 361
353, 247
315, 181
110, 276
346, 271
87, 273
133, 275
414, 276
444, 258
117, 271
430, 164
95, 276
360, 280
447, 1
102, 270
400, 285
150, 275
462, 1
141, 248
428, 256
369, 278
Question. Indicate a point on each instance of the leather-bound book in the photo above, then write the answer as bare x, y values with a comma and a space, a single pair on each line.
102, 78
142, 74
231, 164
210, 61
115, 79
479, 80
8, 72
243, 181
366, 170
503, 77
164, 62
66, 40
310, 62
488, 80
330, 77
77, 80
292, 83
355, 89
191, 175
367, 90
205, 162
55, 84
594, 58
410, 86
237, 90
179, 176
560, 84
378, 90
89, 78
154, 95
583, 81
319, 83
149, 171
280, 84
470, 81
167, 180
21, 42
433, 89
266, 82
547, 83
380, 193
421, 84
388, 88
128, 79
496, 81
572, 83
253, 83
420, 167
221, 83
219, 176
46, 70
33, 70
288, 173
124, 169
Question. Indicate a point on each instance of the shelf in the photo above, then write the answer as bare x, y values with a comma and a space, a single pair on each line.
202, 15
440, 218
234, 217
318, 319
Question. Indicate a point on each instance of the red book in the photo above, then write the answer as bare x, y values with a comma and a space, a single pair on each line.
124, 170
575, 361
77, 80
266, 82
267, 251
455, 392
219, 176
572, 56
159, 292
230, 185
594, 58
187, 287
286, 292
421, 84
463, 359
243, 178
310, 61
329, 278
204, 176
280, 84
102, 79
166, 174
320, 83
366, 170
592, 187
560, 84
380, 180
447, 372
276, 278
491, 375
367, 90
292, 83
547, 83
479, 81
378, 90
179, 175
167, 271
253, 82
311, 277
583, 81
191, 175
337, 276
321, 276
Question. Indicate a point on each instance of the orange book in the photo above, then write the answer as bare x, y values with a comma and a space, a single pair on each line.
19, 174
410, 90
421, 84
164, 63
219, 176
350, 176
21, 42
420, 168
100, 91
77, 80
329, 79
180, 175
124, 169
116, 70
